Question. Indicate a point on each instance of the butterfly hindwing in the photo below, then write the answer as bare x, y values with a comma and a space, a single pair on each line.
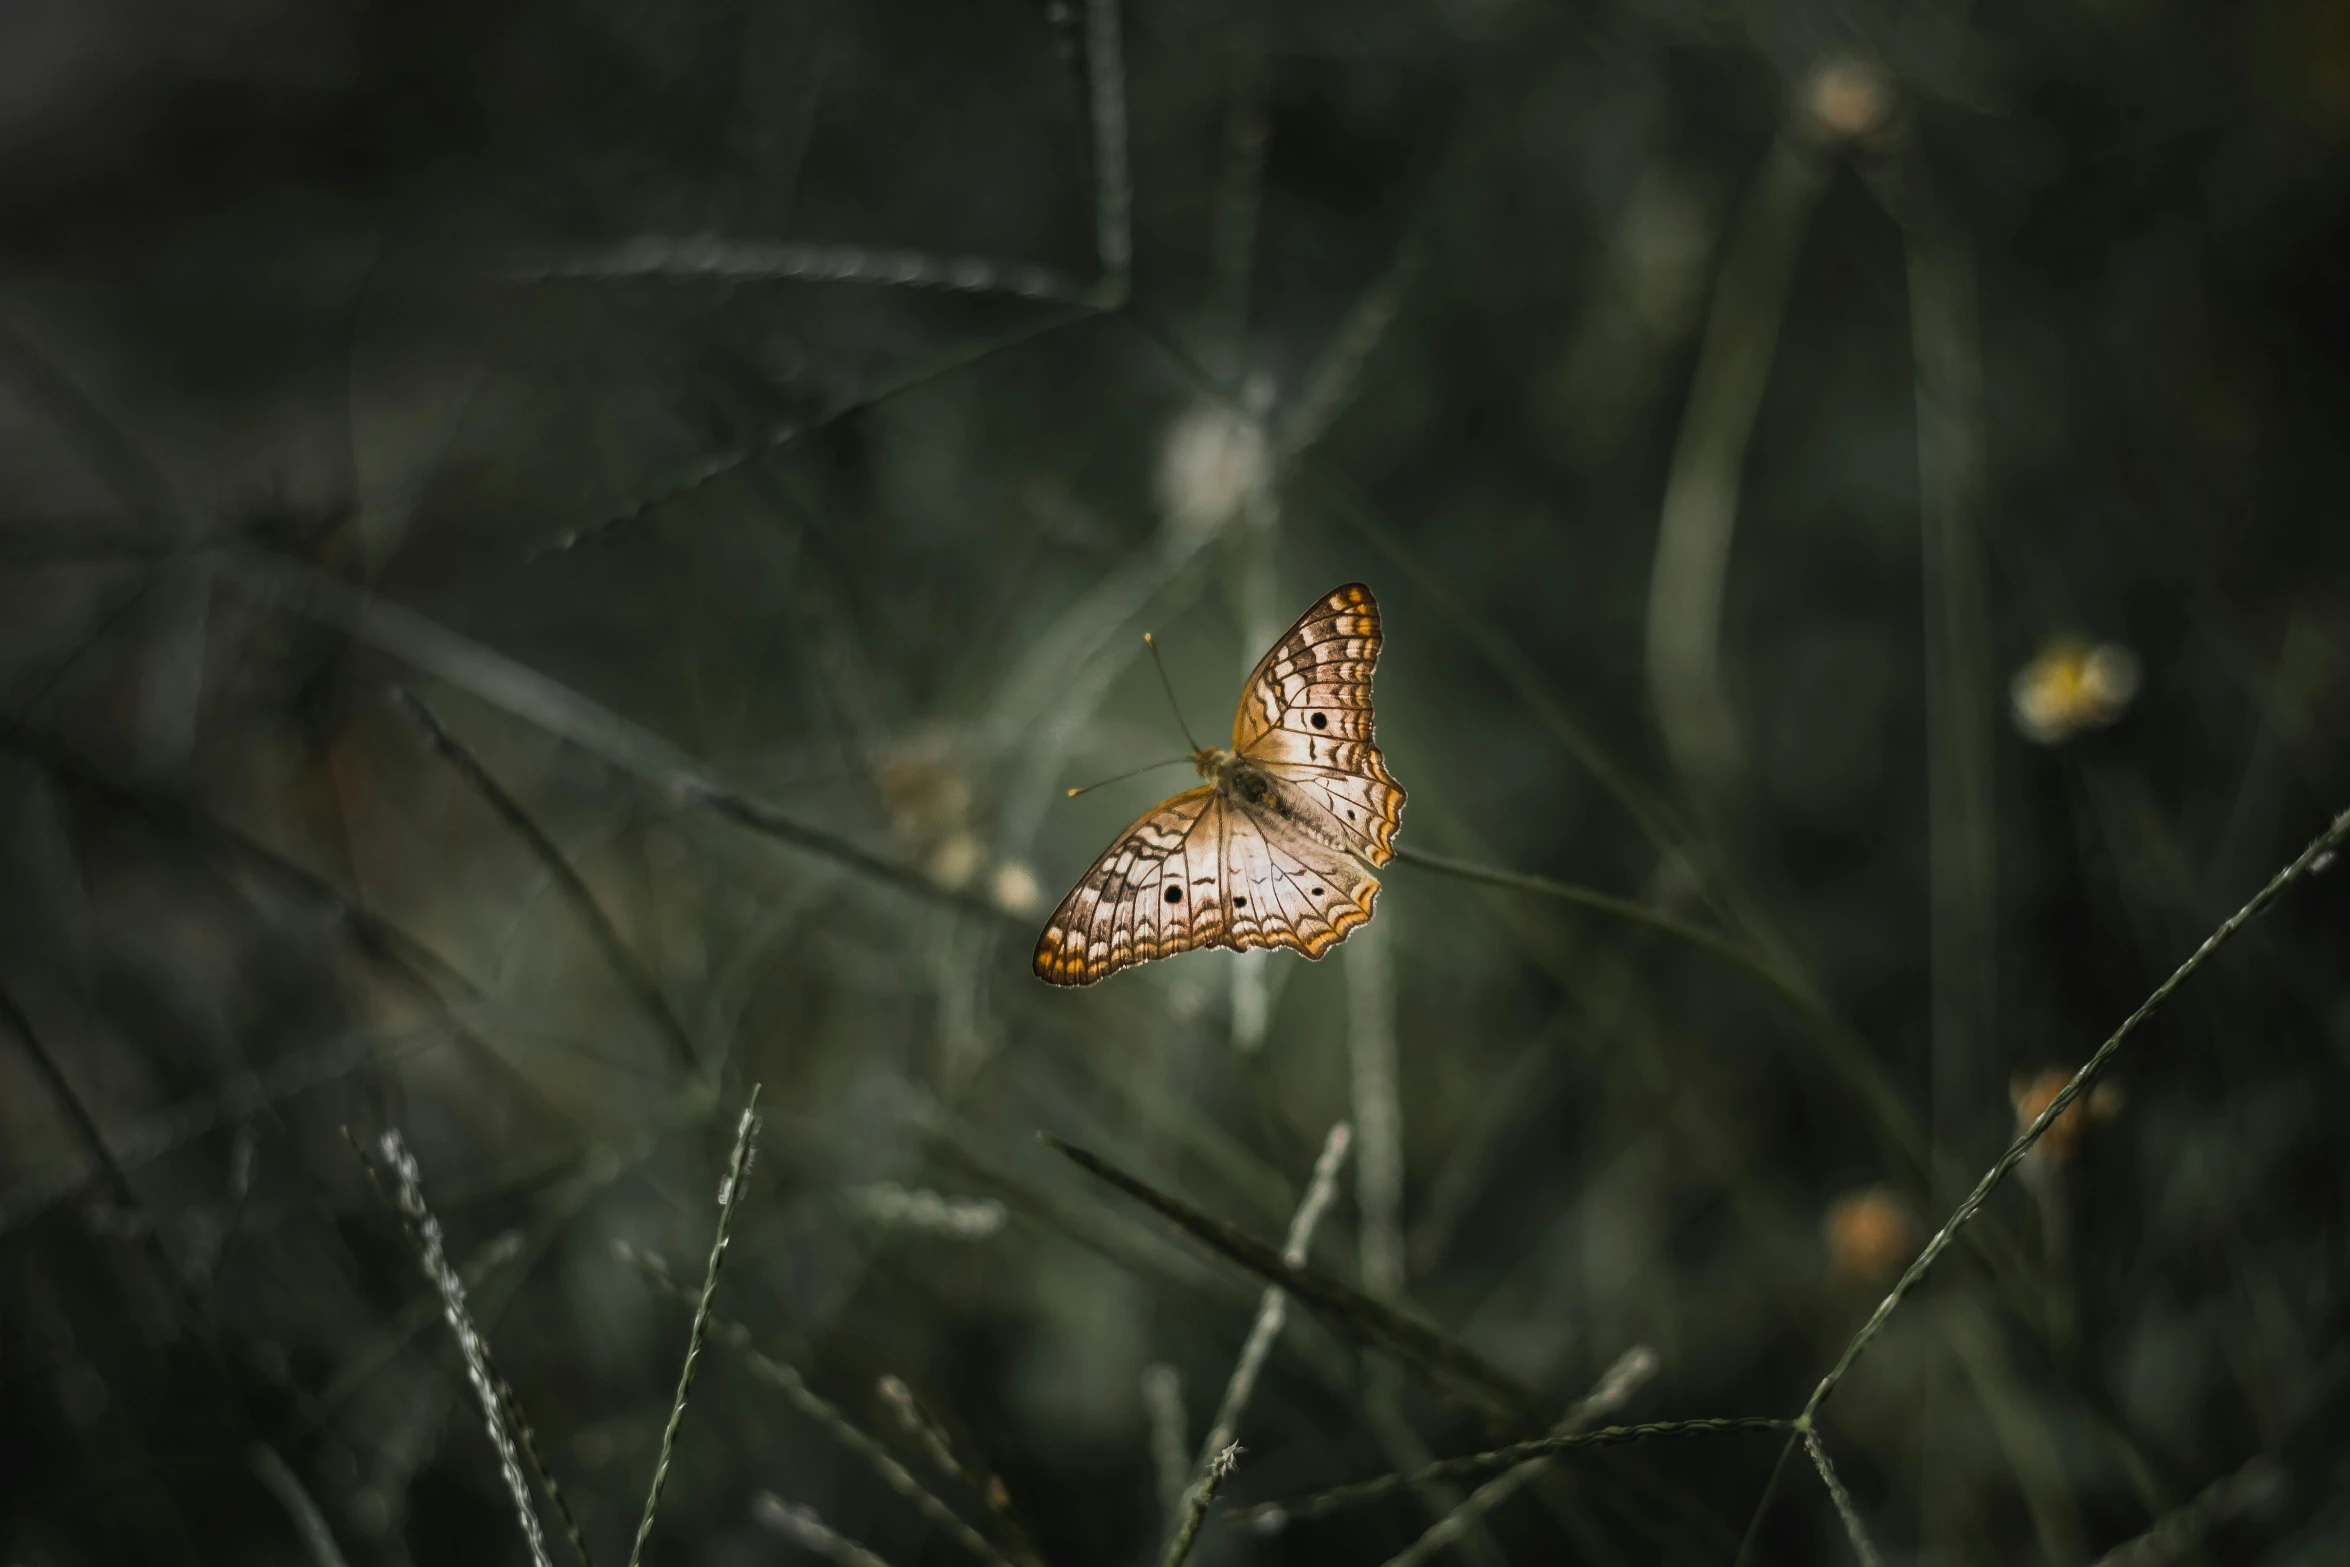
1305, 716
1285, 888
1120, 913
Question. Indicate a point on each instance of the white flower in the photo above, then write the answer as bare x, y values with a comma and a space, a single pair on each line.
1217, 463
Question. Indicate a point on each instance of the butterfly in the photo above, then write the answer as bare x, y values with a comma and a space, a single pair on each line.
1278, 847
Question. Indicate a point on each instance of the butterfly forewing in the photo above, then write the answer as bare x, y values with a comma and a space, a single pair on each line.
1305, 716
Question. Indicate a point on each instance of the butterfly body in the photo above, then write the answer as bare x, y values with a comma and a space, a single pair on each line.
1230, 775
1281, 844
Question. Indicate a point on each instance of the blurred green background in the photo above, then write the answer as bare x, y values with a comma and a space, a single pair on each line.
1860, 482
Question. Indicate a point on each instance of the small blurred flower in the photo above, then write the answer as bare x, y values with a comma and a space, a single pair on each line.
956, 860
929, 797
1016, 890
925, 792
1188, 989
1870, 1235
2071, 685
1216, 464
2031, 1095
1847, 98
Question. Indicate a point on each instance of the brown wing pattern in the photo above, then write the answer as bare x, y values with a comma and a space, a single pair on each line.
1305, 716
1156, 890
1200, 871
1284, 888
1210, 869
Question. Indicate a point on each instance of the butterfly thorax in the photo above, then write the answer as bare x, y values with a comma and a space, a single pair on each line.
1236, 778
1226, 771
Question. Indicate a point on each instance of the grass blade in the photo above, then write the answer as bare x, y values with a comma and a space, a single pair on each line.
1862, 1546
1700, 508
729, 1195
1622, 1380
425, 1231
1625, 909
787, 1380
1365, 1318
1196, 1502
634, 977
278, 1476
1113, 201
1273, 1516
2322, 848
802, 1527
1170, 1434
555, 708
1274, 1307
2181, 1530
715, 258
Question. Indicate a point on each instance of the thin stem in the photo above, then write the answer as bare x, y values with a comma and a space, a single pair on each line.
1770, 1494
1961, 841
425, 1231
2326, 844
1625, 909
274, 1473
1276, 1515
529, 1438
68, 1099
1232, 243
556, 709
1845, 1050
1170, 1436
634, 977
1378, 1110
712, 257
47, 685
1854, 1530
1332, 382
175, 1283
1345, 1306
801, 1526
1700, 505
729, 1195
1272, 1307
687, 480
1621, 1381
1113, 210
787, 1380
375, 936
2179, 1531
113, 457
1196, 1502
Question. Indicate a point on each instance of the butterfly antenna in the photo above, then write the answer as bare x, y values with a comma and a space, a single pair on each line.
1161, 665
1122, 777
